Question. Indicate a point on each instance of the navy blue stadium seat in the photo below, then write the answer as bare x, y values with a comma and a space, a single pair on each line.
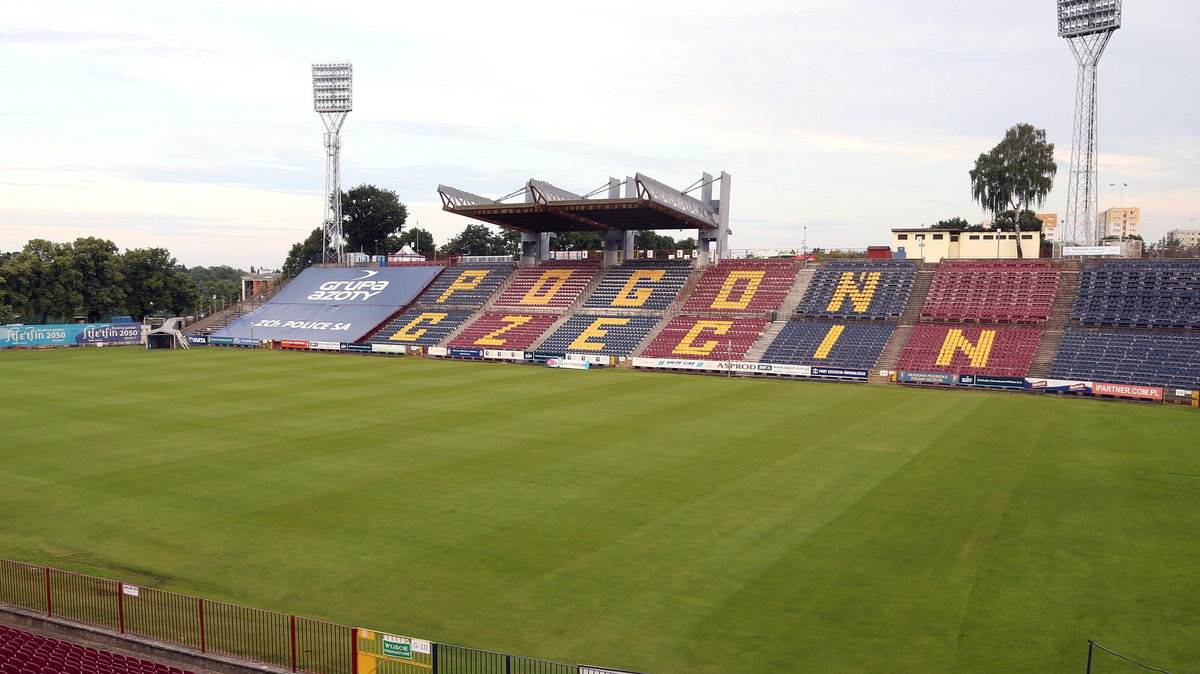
870, 289
1140, 357
855, 345
1139, 293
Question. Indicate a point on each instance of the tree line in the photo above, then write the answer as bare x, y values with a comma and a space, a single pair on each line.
90, 278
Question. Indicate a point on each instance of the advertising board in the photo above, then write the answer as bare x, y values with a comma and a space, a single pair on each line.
293, 343
926, 377
196, 340
464, 353
1059, 385
70, 334
990, 381
389, 348
1128, 391
568, 364
840, 372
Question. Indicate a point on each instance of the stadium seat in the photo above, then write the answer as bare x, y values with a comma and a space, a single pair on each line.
697, 337
868, 289
640, 284
600, 335
1139, 293
1138, 357
991, 291
552, 284
853, 345
743, 286
996, 350
512, 331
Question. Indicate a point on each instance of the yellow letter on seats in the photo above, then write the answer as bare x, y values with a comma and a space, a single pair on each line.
752, 280
581, 342
631, 295
512, 321
859, 295
408, 334
539, 294
688, 347
977, 353
468, 280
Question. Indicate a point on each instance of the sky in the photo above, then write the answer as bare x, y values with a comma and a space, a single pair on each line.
189, 126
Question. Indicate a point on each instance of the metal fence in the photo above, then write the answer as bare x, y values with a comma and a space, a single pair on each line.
301, 644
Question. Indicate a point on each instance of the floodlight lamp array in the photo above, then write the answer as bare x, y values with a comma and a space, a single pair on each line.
1085, 17
332, 87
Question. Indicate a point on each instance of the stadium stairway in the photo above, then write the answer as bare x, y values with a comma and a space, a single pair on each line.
222, 319
756, 352
1064, 300
916, 300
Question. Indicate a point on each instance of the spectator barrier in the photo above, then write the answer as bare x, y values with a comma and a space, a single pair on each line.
208, 626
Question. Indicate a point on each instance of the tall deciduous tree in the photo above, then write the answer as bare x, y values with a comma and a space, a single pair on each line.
304, 254
478, 240
102, 288
42, 282
371, 215
154, 285
951, 223
421, 241
1016, 174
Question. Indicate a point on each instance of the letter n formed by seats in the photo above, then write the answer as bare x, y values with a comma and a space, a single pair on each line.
977, 353
858, 288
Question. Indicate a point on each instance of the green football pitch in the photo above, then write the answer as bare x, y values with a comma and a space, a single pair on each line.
663, 523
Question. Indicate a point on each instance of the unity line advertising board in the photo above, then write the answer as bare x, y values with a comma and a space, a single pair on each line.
335, 304
70, 334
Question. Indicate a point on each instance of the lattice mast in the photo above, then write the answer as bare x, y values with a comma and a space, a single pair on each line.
1087, 25
332, 100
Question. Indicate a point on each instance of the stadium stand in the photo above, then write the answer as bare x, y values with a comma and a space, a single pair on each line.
25, 653
726, 338
1139, 357
421, 326
553, 284
1002, 351
601, 335
745, 286
823, 344
506, 331
991, 291
640, 284
1139, 293
466, 285
871, 289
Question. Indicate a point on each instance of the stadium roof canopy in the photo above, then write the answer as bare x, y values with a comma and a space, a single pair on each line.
551, 209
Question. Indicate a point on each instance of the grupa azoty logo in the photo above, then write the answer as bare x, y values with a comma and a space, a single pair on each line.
359, 289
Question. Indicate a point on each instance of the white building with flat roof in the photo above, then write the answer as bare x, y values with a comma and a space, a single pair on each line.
938, 244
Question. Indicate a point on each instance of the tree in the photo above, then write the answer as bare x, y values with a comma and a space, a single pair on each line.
1029, 222
370, 215
420, 240
304, 254
1017, 173
577, 241
154, 286
205, 277
99, 264
42, 282
478, 240
951, 223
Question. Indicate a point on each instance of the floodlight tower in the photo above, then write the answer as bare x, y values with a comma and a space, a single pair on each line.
1087, 25
332, 100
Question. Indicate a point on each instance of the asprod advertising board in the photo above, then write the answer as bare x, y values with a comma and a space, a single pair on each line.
333, 304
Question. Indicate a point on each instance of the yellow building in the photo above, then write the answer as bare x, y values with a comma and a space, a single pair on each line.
1119, 222
1050, 226
937, 244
